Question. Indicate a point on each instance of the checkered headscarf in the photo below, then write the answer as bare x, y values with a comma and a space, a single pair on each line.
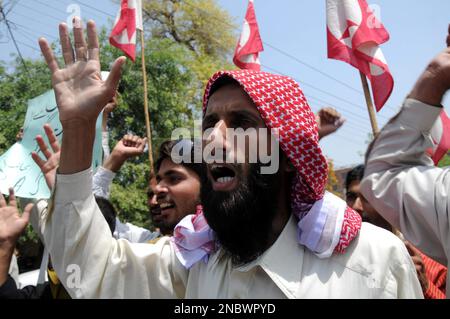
283, 106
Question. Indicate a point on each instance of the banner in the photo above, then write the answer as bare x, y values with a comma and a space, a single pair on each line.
17, 168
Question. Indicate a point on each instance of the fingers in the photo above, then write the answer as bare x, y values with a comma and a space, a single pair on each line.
2, 201
93, 47
48, 55
448, 37
134, 142
80, 42
66, 44
142, 145
53, 141
27, 212
38, 160
113, 79
411, 249
43, 147
12, 198
130, 140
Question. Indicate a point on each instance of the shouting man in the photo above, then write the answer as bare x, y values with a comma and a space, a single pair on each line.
276, 235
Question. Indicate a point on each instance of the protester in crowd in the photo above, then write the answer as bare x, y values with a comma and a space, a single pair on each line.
177, 187
261, 243
432, 275
51, 289
129, 146
401, 181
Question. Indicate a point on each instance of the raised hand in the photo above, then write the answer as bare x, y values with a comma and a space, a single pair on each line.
50, 165
12, 223
80, 92
328, 121
129, 146
435, 80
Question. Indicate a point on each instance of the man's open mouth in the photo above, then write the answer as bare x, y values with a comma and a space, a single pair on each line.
166, 205
223, 176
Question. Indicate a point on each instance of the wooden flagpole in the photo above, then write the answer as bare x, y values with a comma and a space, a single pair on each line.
370, 108
147, 115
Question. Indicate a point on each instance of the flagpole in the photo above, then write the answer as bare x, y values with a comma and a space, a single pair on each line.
370, 108
147, 115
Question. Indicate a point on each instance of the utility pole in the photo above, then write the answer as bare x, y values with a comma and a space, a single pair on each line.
3, 15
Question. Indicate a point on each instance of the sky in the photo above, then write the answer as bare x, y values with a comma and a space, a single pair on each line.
294, 37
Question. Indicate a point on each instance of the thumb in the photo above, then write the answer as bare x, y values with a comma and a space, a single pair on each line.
142, 146
113, 79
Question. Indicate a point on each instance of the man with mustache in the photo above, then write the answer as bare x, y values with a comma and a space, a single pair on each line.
308, 243
175, 190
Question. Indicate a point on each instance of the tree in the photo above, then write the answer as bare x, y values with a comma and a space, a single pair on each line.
186, 42
333, 185
202, 27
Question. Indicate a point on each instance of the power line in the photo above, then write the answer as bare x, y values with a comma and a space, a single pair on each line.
292, 57
29, 18
29, 46
13, 38
320, 90
96, 9
40, 12
40, 33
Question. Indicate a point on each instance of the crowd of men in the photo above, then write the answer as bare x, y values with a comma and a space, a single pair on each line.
225, 229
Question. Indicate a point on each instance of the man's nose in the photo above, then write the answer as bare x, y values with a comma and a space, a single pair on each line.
216, 139
152, 201
160, 190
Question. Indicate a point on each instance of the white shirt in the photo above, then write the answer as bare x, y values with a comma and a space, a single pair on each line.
376, 264
405, 187
101, 184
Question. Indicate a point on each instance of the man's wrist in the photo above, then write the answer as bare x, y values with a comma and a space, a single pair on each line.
76, 148
428, 91
115, 161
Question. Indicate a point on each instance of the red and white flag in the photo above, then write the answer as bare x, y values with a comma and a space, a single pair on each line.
129, 20
354, 34
440, 133
246, 55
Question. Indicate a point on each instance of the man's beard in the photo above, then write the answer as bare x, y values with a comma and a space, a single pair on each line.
242, 218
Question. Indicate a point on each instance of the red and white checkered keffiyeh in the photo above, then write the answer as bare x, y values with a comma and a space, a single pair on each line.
282, 106
326, 225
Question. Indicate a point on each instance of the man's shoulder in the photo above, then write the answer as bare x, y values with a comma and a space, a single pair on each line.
375, 245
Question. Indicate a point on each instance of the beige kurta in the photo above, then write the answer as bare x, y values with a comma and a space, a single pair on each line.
405, 187
376, 264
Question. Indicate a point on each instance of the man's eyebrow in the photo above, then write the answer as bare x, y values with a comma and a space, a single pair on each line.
172, 172
245, 113
210, 117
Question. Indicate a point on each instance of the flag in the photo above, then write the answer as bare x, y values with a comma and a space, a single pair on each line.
129, 20
354, 35
440, 134
246, 55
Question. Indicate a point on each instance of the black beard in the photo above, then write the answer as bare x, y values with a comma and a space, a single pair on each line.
242, 219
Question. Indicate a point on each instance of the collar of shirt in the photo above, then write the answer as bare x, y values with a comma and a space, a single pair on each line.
282, 261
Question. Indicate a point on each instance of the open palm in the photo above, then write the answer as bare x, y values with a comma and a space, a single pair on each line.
80, 92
